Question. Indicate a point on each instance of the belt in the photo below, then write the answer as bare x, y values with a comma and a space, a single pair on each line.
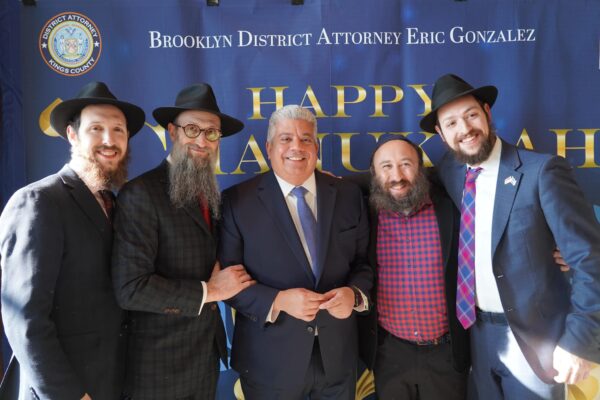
491, 317
445, 338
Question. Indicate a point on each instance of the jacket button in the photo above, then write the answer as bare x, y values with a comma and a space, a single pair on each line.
213, 307
500, 276
310, 329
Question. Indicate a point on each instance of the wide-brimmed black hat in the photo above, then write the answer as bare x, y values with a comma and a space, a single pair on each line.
450, 87
95, 93
199, 97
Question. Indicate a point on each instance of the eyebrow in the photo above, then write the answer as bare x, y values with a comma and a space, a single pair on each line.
463, 112
389, 161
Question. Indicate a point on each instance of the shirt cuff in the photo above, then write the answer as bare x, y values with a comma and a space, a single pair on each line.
271, 316
364, 306
204, 294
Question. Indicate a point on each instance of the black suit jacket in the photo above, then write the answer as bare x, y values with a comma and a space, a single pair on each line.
258, 231
58, 305
161, 254
448, 222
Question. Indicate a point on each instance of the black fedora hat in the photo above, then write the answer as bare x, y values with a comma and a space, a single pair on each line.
198, 97
450, 87
95, 93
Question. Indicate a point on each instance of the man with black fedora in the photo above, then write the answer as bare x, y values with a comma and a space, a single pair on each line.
533, 328
164, 267
58, 304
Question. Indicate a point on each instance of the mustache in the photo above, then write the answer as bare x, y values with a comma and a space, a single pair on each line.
105, 147
401, 182
472, 132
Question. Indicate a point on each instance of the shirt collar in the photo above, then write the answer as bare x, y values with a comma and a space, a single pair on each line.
310, 184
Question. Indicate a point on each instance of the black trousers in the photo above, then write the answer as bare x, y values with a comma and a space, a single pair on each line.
315, 387
406, 371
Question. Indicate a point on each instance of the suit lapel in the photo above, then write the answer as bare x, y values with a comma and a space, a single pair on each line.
84, 198
326, 195
270, 195
193, 210
506, 190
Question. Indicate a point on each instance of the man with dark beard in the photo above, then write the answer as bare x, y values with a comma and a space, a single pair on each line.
413, 342
531, 327
164, 258
62, 320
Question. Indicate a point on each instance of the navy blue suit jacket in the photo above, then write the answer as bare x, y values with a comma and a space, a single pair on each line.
542, 210
258, 231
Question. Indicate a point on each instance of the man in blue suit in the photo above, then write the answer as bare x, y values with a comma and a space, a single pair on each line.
532, 329
303, 236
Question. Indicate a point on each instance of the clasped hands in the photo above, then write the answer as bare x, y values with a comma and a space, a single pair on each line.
304, 304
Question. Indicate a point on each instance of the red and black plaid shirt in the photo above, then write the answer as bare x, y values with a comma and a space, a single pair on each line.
410, 295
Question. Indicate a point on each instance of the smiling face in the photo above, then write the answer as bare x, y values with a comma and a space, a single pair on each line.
99, 140
465, 125
292, 150
396, 166
198, 148
102, 136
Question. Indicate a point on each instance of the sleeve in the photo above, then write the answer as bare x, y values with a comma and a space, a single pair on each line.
31, 248
577, 234
361, 275
137, 284
256, 301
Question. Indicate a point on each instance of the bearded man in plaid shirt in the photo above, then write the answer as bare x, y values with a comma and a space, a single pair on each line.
413, 342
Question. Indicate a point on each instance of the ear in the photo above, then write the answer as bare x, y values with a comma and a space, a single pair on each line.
172, 132
488, 111
439, 131
72, 135
268, 145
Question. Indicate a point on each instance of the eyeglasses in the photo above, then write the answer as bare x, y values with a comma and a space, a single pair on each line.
193, 131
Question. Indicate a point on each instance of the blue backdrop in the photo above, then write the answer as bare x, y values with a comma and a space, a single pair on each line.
366, 68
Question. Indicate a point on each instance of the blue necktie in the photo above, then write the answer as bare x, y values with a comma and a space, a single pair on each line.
309, 226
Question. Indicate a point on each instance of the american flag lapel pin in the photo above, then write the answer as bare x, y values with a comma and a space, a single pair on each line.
511, 179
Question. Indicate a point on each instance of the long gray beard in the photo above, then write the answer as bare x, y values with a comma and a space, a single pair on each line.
382, 200
95, 177
191, 180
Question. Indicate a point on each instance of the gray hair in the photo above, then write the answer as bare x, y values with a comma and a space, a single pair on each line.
291, 111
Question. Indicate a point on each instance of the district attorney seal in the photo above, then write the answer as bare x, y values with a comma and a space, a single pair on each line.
70, 44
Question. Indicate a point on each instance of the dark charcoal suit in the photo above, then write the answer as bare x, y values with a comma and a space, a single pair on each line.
161, 255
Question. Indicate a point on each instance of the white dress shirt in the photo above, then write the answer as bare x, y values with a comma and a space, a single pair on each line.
486, 289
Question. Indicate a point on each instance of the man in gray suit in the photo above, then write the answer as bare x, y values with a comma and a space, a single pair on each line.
534, 328
61, 317
164, 258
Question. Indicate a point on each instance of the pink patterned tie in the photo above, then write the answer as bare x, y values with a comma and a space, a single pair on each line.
465, 291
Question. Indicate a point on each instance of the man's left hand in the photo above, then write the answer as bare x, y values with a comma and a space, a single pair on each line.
571, 368
340, 302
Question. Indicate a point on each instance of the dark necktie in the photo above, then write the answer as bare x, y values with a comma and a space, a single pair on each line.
108, 198
309, 227
465, 291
